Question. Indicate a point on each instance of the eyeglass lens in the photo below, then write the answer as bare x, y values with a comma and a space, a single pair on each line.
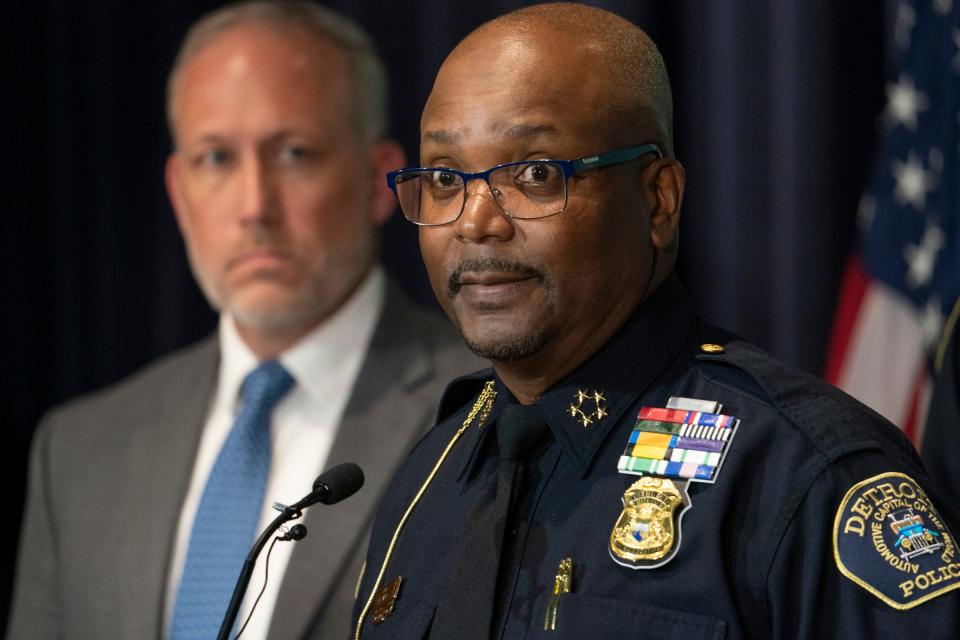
533, 189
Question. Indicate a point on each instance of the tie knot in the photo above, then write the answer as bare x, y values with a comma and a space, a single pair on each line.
519, 429
266, 385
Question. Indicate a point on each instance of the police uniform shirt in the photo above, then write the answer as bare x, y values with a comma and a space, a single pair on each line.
795, 538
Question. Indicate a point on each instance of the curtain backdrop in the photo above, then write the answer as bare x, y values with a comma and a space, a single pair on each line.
776, 102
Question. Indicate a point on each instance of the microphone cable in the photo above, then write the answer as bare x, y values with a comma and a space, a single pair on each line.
295, 533
331, 486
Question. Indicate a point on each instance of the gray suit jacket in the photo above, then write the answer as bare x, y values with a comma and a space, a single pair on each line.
109, 472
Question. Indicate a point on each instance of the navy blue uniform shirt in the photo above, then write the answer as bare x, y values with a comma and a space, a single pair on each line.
820, 522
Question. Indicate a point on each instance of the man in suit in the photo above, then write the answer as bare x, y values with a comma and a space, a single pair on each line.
278, 117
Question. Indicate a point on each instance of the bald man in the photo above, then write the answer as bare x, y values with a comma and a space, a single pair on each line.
625, 470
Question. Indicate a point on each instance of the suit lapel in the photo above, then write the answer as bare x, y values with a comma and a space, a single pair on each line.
167, 446
384, 418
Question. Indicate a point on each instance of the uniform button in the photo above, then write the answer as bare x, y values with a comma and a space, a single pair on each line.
709, 347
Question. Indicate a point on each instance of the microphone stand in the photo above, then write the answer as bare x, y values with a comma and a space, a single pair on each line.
287, 514
331, 486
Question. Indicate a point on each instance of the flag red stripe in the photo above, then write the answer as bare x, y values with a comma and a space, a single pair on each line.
852, 292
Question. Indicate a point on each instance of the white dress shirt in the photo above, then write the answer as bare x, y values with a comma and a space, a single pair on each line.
324, 365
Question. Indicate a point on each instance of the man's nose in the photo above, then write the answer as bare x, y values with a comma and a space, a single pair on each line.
258, 192
482, 218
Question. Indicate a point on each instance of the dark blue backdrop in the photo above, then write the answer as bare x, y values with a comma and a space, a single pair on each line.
776, 101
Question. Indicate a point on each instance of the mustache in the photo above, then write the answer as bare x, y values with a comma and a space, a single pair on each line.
258, 238
483, 265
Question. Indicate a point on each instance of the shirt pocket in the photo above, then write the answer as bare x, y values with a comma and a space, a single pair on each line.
581, 617
406, 623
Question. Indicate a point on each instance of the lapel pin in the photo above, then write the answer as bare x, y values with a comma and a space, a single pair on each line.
386, 599
588, 400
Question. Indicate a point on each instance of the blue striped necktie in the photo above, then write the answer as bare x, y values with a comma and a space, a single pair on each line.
225, 525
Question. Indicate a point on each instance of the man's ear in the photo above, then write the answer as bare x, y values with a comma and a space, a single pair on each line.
668, 185
174, 190
385, 155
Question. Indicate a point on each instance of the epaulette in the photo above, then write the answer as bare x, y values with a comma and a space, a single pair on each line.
835, 423
460, 392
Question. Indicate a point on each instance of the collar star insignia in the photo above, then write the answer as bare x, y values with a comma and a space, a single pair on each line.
583, 401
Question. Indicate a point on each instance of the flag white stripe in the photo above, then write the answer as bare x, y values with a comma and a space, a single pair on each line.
884, 351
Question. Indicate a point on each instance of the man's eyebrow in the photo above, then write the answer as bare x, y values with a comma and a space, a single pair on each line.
442, 136
445, 136
527, 130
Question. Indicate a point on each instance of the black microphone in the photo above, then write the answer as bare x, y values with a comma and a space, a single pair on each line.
331, 486
296, 533
334, 485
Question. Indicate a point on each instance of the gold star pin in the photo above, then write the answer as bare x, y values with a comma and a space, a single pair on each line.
583, 401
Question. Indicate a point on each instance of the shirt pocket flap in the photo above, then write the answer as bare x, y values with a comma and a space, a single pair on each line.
587, 617
407, 622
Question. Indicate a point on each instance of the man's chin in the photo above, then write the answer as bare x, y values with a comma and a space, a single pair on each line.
275, 314
508, 347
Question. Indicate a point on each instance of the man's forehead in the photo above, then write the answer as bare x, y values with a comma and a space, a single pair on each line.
255, 73
252, 46
517, 110
603, 73
511, 85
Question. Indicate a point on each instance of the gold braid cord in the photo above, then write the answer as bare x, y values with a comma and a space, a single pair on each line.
484, 402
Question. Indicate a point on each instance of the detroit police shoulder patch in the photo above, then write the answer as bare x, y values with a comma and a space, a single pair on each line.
889, 539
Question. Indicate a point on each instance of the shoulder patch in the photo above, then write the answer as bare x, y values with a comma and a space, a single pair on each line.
889, 539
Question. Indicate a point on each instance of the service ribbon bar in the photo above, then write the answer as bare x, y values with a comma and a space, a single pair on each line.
678, 443
685, 417
641, 437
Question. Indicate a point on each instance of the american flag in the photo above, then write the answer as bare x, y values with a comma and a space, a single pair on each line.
900, 287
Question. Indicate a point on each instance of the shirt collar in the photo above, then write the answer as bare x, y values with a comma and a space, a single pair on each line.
318, 354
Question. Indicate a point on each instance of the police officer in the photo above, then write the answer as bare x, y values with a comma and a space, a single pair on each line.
624, 470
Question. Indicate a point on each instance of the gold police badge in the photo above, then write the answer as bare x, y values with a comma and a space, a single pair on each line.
647, 533
669, 447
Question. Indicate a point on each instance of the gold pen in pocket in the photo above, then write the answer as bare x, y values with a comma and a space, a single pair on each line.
561, 584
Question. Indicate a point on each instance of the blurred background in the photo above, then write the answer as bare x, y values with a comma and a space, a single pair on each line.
777, 108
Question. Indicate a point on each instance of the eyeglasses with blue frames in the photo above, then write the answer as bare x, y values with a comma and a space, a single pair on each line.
431, 196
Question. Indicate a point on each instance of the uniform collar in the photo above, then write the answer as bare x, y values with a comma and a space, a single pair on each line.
620, 372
